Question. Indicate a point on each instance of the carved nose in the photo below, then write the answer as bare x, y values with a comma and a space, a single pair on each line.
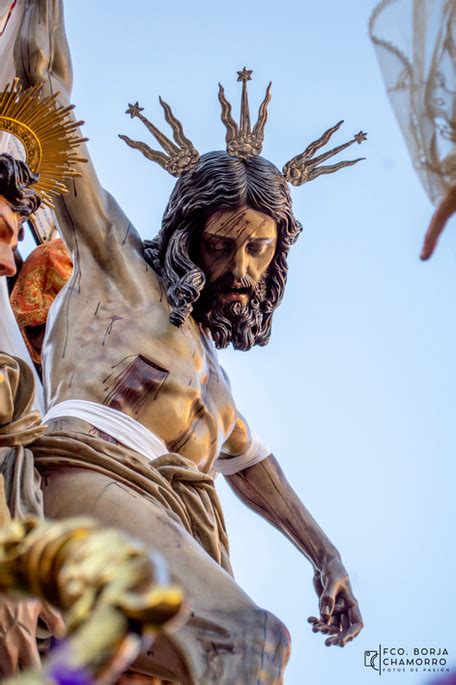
240, 265
7, 263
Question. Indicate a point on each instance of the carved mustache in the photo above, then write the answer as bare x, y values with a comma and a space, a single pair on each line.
228, 282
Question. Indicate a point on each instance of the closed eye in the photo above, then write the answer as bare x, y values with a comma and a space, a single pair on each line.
218, 246
257, 248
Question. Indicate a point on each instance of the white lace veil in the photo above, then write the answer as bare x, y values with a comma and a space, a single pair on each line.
415, 41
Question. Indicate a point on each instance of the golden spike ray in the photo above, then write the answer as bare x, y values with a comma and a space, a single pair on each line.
47, 134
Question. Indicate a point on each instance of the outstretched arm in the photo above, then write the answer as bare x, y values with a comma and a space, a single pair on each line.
87, 215
264, 488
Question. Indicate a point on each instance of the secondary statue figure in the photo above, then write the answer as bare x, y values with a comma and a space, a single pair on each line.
140, 413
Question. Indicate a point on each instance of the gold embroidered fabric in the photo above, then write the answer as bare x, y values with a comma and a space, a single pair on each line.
42, 276
415, 41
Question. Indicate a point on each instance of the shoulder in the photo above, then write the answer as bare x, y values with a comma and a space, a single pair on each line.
240, 438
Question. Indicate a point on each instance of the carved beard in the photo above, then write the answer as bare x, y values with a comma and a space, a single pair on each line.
238, 323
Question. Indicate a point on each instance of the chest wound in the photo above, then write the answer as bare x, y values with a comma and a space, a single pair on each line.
139, 383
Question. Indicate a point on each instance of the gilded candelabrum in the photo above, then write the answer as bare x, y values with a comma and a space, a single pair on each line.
113, 595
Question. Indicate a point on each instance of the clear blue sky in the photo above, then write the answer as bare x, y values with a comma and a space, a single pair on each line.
356, 392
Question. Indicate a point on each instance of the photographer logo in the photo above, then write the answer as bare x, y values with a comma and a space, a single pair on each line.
414, 659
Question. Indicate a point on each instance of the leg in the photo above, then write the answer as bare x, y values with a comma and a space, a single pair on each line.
227, 639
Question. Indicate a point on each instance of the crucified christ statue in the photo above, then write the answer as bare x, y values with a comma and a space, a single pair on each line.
140, 412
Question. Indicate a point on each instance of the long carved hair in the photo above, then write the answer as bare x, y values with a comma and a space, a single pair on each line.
15, 179
220, 182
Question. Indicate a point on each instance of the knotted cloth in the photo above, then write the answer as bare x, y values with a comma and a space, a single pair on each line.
172, 481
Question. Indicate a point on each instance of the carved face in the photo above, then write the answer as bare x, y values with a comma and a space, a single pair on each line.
10, 229
236, 249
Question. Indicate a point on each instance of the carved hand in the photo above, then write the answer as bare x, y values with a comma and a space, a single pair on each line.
265, 489
340, 616
18, 624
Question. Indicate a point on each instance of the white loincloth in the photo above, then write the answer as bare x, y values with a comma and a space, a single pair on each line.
137, 437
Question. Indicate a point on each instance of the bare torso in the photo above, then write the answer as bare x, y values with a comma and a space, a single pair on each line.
109, 340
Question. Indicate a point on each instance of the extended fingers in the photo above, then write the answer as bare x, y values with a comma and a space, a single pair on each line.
345, 636
341, 628
319, 626
352, 624
342, 604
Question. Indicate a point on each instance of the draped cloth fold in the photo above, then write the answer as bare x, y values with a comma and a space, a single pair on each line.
171, 481
19, 427
29, 451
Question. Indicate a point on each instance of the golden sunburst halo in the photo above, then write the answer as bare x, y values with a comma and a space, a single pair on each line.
48, 134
